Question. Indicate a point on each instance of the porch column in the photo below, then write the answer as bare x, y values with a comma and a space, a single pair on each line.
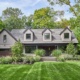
57, 47
23, 49
36, 47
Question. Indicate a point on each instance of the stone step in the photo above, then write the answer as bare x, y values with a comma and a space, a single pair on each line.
48, 58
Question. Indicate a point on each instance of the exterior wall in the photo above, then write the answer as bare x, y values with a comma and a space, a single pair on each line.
28, 31
47, 31
10, 41
62, 35
5, 52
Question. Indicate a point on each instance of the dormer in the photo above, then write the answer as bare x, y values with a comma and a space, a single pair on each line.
47, 36
28, 35
66, 34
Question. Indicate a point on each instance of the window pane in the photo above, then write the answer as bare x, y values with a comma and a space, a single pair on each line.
30, 49
28, 36
4, 38
66, 35
47, 36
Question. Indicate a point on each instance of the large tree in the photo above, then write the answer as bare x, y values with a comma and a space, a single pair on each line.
2, 26
74, 8
13, 18
45, 18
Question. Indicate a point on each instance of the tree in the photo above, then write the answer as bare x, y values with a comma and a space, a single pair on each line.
45, 18
73, 8
71, 49
2, 26
13, 18
17, 49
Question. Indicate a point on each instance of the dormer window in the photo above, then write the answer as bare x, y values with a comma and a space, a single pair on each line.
28, 36
66, 35
47, 36
4, 38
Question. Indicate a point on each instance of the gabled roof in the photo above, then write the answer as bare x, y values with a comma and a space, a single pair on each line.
8, 33
27, 29
45, 30
65, 29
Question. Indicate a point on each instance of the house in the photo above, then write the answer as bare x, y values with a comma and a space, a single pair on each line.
47, 39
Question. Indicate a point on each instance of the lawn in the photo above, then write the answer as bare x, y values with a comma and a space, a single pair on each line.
41, 71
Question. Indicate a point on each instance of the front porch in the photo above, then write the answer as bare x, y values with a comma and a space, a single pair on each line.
29, 49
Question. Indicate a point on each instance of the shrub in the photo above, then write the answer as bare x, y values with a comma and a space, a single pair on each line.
71, 49
17, 59
37, 58
25, 59
56, 53
17, 49
31, 60
39, 52
6, 60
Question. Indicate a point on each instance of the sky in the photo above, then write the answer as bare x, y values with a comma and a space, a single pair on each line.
29, 6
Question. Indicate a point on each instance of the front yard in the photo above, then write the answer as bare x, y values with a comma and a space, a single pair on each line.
41, 71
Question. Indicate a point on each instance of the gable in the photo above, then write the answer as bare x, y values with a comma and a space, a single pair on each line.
66, 30
46, 31
10, 39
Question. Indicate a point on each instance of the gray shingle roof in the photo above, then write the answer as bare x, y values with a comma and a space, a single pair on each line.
38, 37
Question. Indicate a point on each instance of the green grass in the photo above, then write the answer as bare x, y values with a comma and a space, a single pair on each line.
41, 71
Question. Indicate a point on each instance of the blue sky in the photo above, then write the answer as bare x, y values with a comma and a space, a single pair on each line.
29, 6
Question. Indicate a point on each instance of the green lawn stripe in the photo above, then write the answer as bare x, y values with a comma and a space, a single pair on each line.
9, 72
34, 72
16, 73
75, 69
3, 71
53, 72
66, 71
43, 72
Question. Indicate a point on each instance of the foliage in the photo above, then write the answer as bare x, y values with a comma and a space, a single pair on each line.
45, 18
71, 49
13, 18
39, 52
17, 49
56, 53
6, 60
37, 58
2, 26
73, 8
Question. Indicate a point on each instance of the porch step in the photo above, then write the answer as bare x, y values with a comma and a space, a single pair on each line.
48, 58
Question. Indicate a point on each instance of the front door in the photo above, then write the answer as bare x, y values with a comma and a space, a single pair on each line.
48, 49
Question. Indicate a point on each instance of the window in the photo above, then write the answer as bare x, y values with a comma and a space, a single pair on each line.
47, 36
29, 49
28, 36
66, 35
4, 38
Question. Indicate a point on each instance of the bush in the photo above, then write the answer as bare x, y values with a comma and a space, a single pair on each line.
31, 60
6, 60
71, 49
17, 49
37, 58
17, 59
25, 59
56, 53
39, 52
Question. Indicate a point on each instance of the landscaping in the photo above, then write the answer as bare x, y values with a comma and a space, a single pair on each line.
41, 71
